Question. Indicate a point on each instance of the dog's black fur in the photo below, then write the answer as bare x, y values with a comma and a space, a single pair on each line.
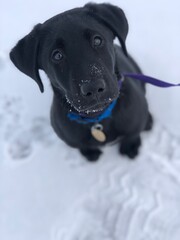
77, 52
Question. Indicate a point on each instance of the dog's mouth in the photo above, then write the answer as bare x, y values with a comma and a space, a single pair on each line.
95, 110
91, 111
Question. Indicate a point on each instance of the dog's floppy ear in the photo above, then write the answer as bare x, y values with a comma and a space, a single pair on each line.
25, 56
113, 17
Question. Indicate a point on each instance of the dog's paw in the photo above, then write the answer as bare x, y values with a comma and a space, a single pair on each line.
130, 147
91, 155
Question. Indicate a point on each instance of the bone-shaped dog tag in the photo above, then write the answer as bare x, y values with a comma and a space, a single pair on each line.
97, 133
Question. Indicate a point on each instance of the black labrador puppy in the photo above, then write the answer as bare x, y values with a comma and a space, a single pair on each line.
90, 108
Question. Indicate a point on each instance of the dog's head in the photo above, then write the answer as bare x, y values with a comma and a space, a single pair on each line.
76, 51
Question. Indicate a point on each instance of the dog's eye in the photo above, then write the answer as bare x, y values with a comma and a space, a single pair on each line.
56, 55
97, 41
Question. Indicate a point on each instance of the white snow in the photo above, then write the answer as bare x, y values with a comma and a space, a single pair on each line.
47, 190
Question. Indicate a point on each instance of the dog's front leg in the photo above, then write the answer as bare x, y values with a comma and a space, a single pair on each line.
130, 146
91, 154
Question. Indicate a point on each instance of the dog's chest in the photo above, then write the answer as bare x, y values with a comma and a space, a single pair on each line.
80, 135
94, 135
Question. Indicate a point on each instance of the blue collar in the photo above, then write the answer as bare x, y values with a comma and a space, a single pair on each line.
84, 120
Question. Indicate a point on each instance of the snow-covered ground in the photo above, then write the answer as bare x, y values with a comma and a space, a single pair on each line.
47, 190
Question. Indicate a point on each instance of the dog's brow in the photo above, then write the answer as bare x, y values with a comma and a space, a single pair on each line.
88, 32
60, 43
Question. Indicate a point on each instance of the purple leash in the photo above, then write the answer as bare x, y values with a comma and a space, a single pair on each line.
151, 80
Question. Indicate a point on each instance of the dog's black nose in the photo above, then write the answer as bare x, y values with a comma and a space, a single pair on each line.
93, 88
